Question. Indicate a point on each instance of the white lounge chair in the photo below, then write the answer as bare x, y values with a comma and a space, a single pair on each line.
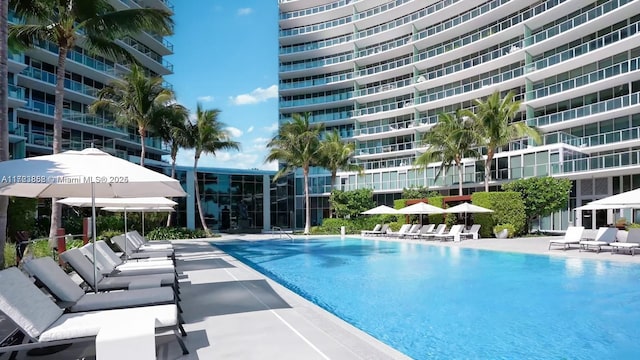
132, 252
439, 230
473, 233
141, 244
632, 243
376, 230
110, 265
453, 234
71, 296
84, 268
413, 230
403, 229
44, 324
604, 237
571, 236
425, 229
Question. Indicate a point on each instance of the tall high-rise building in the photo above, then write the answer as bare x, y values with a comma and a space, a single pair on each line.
381, 71
32, 79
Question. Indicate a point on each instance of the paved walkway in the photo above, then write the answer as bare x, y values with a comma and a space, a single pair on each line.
234, 312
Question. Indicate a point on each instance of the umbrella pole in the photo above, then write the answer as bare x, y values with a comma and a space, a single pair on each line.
93, 228
125, 233
143, 224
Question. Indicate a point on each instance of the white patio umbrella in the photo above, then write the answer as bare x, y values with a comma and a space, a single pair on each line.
141, 209
87, 173
124, 203
628, 198
421, 208
466, 208
381, 210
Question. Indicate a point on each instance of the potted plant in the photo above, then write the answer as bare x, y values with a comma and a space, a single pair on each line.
621, 223
503, 231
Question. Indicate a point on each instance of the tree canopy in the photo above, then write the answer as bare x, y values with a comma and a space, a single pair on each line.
541, 196
351, 203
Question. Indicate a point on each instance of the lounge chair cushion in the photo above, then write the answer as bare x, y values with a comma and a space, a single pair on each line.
123, 299
70, 326
54, 278
33, 316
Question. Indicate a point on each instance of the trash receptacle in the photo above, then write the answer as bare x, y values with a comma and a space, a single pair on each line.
343, 230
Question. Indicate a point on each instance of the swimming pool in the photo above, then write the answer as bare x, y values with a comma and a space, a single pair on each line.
434, 302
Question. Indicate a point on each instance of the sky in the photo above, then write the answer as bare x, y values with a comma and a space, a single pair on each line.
226, 57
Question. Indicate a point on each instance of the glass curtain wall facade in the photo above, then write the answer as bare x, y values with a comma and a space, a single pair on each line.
32, 82
380, 72
235, 200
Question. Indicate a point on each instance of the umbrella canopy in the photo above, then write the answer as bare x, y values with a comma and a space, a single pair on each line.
592, 206
72, 173
467, 208
628, 198
128, 203
420, 208
381, 210
85, 173
139, 209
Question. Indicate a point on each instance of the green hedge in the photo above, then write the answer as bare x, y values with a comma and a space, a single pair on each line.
173, 233
508, 209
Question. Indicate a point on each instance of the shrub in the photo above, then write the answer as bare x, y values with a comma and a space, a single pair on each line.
510, 229
508, 209
174, 233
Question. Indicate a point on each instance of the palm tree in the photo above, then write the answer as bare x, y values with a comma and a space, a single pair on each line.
207, 135
97, 23
137, 101
4, 119
297, 145
336, 155
451, 140
172, 129
494, 117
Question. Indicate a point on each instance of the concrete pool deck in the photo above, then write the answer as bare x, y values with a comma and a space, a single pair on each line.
233, 312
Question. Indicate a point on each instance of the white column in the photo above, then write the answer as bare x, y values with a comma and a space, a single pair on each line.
266, 203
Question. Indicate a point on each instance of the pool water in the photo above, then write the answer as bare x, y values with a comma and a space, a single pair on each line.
433, 302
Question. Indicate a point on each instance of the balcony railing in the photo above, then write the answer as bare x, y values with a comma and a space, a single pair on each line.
68, 83
16, 92
587, 110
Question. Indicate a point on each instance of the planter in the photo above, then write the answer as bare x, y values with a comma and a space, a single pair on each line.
502, 234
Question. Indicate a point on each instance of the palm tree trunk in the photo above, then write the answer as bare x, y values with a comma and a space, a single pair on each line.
173, 176
4, 120
57, 137
307, 223
143, 149
195, 173
460, 178
487, 170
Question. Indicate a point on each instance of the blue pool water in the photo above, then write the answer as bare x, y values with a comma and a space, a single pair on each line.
449, 303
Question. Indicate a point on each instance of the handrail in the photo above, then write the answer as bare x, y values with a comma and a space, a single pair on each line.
281, 232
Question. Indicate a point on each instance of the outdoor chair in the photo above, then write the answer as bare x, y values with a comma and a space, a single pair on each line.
439, 230
110, 265
72, 297
453, 234
131, 251
376, 230
139, 239
425, 229
403, 229
413, 231
632, 243
44, 324
84, 268
604, 237
473, 233
571, 236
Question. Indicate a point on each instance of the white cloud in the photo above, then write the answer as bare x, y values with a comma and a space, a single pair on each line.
234, 132
244, 11
256, 96
250, 129
272, 128
206, 98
